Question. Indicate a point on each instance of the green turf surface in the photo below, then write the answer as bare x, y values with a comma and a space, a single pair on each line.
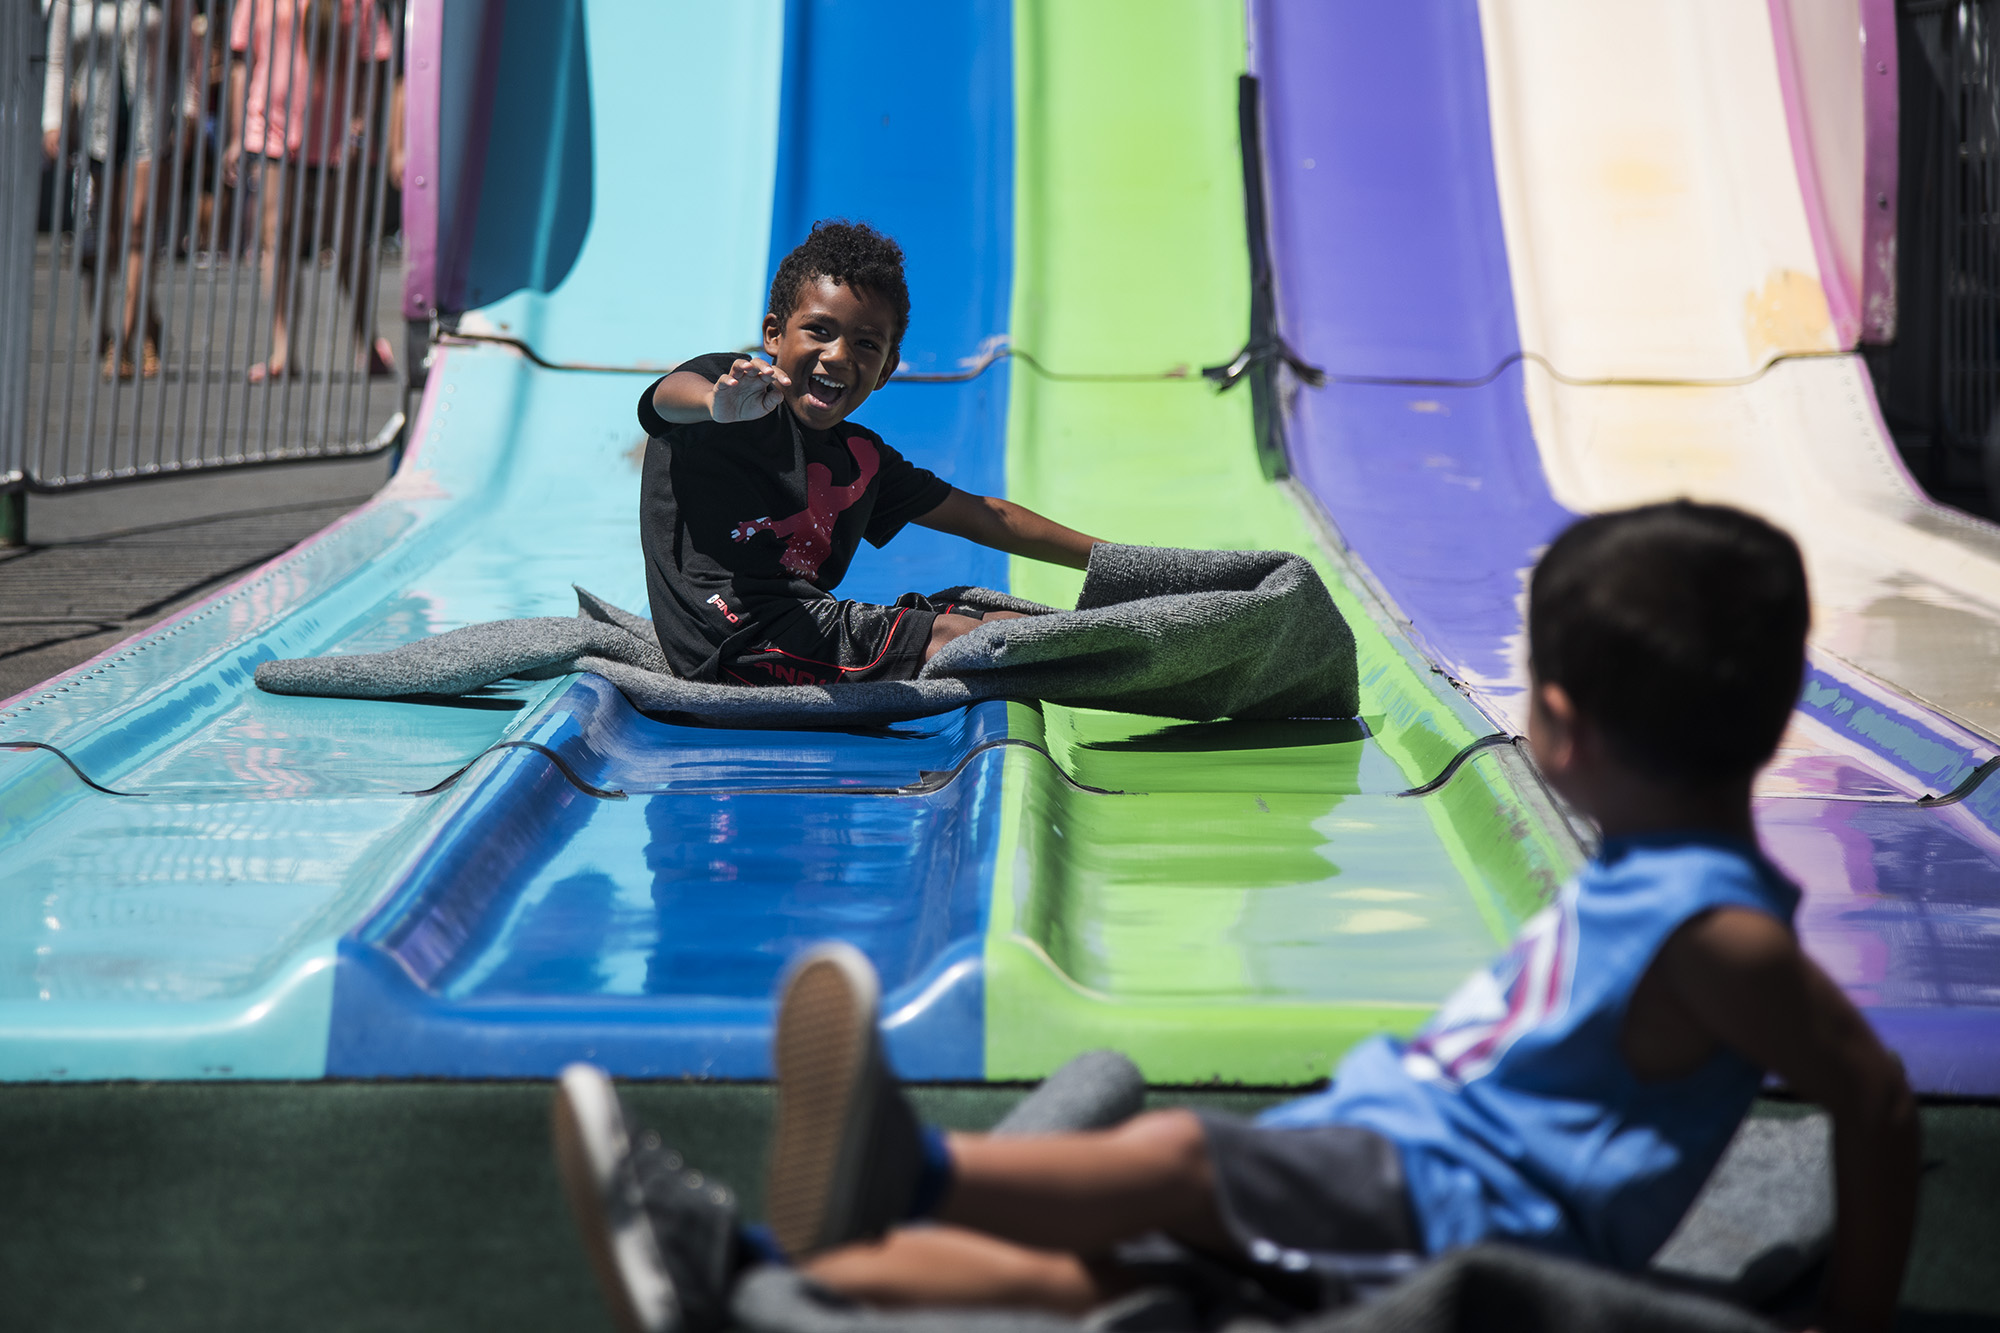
179, 1206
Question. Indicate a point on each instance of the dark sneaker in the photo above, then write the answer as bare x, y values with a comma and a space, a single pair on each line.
661, 1236
847, 1155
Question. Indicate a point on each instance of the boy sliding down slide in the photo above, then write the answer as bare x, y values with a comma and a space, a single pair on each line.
758, 489
1572, 1099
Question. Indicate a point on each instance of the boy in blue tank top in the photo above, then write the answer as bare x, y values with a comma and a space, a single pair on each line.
1571, 1098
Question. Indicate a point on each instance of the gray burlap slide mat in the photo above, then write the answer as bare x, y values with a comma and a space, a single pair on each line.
1170, 633
1488, 1287
1763, 1219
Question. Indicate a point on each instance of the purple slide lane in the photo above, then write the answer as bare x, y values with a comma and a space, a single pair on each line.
1385, 232
1391, 265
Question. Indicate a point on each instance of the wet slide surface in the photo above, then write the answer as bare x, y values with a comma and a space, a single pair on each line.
492, 886
260, 886
1270, 898
1393, 276
1613, 241
190, 927
649, 930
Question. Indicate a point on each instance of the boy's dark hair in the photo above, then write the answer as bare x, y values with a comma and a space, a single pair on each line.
853, 254
1680, 630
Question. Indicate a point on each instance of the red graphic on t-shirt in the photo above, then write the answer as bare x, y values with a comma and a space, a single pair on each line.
808, 534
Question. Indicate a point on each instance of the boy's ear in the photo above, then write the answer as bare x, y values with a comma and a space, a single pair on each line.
774, 332
889, 364
1553, 728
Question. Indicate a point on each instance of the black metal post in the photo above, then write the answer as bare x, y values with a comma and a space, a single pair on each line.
1266, 409
14, 518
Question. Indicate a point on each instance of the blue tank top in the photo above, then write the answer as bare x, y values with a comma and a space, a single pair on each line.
1515, 1111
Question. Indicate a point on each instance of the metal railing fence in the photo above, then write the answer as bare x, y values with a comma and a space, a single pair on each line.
20, 156
1939, 381
1966, 226
209, 283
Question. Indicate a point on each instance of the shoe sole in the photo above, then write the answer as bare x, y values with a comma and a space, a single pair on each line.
586, 1182
825, 1050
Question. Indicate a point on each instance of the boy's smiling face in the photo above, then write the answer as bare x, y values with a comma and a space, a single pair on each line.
837, 346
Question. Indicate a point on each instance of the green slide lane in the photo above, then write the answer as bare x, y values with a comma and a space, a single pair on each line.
1256, 897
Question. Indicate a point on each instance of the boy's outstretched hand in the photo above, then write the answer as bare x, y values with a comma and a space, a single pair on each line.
750, 390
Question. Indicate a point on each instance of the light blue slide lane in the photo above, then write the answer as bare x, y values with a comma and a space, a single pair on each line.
638, 910
182, 924
683, 127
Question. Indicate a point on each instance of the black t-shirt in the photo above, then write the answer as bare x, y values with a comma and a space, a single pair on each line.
742, 522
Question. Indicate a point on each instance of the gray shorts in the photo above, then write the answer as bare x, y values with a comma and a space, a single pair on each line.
1329, 1198
1320, 1217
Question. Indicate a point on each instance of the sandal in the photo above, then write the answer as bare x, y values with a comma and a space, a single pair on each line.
149, 358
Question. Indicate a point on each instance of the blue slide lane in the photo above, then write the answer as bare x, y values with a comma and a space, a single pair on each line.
645, 930
1391, 262
900, 114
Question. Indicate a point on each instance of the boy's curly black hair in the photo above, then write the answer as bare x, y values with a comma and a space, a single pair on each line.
1679, 629
853, 254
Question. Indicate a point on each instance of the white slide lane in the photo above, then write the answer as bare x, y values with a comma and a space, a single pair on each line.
1656, 231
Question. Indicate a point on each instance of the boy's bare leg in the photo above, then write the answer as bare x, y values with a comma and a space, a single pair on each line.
1086, 1192
955, 626
1030, 1219
947, 1265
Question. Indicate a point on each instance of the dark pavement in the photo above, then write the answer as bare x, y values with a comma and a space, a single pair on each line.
104, 563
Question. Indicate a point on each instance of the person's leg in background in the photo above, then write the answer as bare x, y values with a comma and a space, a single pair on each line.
274, 186
357, 262
138, 280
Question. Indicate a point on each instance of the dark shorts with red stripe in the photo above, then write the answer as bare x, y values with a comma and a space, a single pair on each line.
825, 640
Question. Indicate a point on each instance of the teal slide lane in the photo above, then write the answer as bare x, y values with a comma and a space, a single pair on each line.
183, 922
